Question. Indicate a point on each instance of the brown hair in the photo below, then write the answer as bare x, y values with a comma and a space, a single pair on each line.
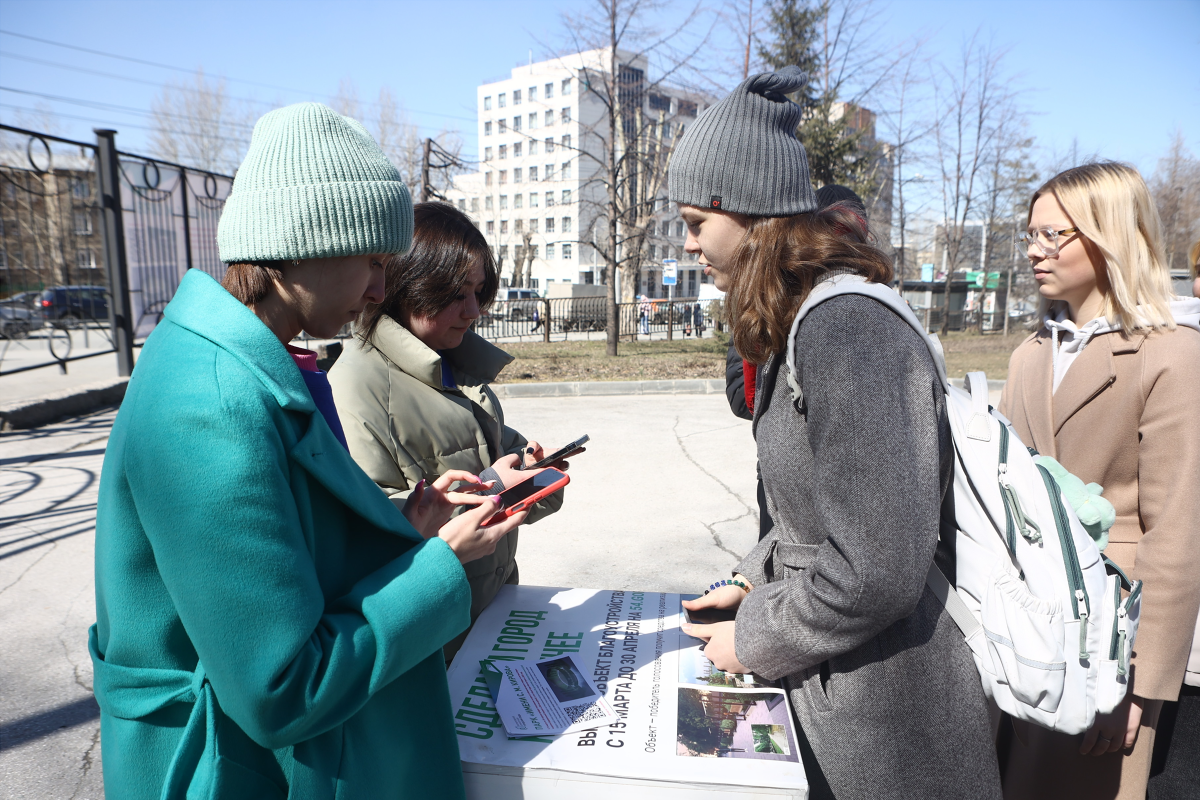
779, 261
428, 278
249, 283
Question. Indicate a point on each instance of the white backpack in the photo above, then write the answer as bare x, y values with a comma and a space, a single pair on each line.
1038, 605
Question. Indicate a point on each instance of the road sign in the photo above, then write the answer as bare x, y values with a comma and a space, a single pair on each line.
669, 272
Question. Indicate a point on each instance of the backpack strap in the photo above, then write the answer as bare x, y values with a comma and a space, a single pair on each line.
850, 283
955, 607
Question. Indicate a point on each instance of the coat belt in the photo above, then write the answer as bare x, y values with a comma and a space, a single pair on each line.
136, 692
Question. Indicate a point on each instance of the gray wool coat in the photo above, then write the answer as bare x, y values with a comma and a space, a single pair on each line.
857, 478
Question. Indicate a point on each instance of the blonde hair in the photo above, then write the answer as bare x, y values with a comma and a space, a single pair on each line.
1111, 206
1194, 259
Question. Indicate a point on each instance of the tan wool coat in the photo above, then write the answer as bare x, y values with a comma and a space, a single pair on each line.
1126, 416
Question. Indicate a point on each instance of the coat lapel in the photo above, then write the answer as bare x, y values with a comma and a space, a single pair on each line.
322, 456
1037, 383
1091, 373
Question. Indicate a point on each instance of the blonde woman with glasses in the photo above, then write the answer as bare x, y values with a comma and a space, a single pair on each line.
1110, 386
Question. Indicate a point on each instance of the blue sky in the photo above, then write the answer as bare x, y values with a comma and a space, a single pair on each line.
1118, 77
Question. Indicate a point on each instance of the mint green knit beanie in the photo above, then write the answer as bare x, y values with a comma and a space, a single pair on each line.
314, 185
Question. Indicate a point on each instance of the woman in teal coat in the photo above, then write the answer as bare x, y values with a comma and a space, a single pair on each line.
269, 624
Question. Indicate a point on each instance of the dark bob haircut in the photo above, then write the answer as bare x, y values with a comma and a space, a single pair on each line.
425, 280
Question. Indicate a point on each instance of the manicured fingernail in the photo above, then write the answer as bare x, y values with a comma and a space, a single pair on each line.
420, 484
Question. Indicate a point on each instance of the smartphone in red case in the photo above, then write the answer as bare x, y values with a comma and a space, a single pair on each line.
521, 496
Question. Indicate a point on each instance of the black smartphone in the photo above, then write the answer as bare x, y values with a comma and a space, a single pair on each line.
560, 453
708, 616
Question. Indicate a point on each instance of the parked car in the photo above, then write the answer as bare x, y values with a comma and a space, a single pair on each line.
70, 306
17, 319
517, 304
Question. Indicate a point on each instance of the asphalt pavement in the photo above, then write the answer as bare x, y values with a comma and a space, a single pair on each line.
663, 500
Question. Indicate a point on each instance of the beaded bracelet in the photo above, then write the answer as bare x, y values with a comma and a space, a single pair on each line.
719, 584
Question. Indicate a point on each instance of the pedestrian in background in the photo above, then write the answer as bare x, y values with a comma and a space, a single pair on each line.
644, 314
413, 389
268, 624
833, 600
1110, 387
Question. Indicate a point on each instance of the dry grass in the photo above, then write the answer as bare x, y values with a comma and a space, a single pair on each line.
636, 361
537, 362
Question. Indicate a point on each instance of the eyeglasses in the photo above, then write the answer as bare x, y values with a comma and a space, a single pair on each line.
1046, 239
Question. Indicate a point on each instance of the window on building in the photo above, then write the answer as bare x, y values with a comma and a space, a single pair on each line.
517, 200
487, 129
474, 205
567, 142
518, 253
504, 151
533, 199
503, 202
565, 115
549, 145
653, 252
588, 277
518, 226
549, 252
516, 123
548, 117
503, 177
517, 175
491, 227
660, 102
487, 154
533, 226
503, 227
502, 126
487, 204
487, 103
533, 147
533, 120
83, 223
462, 204
81, 188
503, 251
566, 86
566, 171
549, 199
503, 99
549, 172
679, 228
533, 174
85, 259
534, 248
566, 224
516, 97
517, 150
566, 250
666, 251
664, 228
566, 197
532, 93
549, 224
666, 130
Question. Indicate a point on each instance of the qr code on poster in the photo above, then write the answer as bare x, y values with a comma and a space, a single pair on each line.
584, 712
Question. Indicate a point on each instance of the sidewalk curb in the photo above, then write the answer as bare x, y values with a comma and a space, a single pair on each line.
607, 388
35, 411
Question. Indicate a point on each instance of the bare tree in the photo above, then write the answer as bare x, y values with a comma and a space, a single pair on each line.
1176, 190
345, 102
625, 154
972, 98
197, 122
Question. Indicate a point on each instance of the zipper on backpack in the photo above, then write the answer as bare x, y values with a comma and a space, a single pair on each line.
1080, 603
1013, 513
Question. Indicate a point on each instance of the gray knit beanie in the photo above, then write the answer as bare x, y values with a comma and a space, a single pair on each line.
742, 154
314, 185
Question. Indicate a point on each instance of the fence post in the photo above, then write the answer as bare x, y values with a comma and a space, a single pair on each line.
546, 323
120, 314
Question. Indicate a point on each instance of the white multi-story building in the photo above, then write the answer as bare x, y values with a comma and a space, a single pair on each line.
537, 179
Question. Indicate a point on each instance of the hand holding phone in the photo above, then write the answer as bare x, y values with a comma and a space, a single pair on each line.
520, 497
558, 455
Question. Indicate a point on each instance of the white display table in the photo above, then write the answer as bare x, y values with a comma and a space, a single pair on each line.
686, 731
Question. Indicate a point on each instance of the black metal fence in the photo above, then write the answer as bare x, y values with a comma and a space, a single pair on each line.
557, 319
97, 238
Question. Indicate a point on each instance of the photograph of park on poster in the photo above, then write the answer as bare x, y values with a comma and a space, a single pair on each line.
724, 724
696, 669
